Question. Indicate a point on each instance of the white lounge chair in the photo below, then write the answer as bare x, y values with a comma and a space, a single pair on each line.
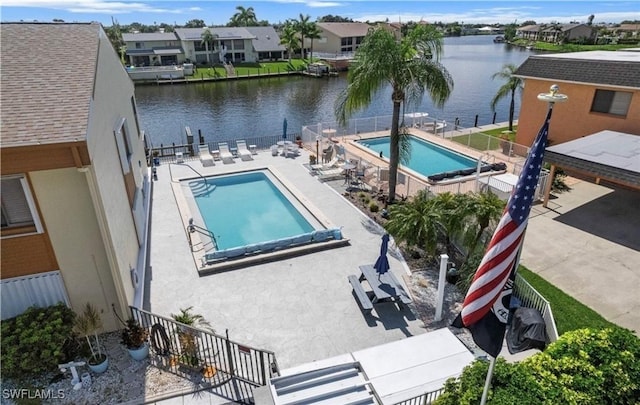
205, 155
243, 151
225, 153
330, 174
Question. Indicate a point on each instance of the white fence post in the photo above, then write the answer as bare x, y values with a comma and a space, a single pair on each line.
444, 259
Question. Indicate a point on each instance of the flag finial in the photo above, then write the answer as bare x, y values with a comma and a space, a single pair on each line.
553, 96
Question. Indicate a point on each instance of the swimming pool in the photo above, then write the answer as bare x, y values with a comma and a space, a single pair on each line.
426, 158
247, 208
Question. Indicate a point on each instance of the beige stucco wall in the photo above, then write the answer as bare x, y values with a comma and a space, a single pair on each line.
111, 103
573, 118
68, 213
327, 43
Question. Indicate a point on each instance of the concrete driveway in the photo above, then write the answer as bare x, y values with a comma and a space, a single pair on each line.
587, 243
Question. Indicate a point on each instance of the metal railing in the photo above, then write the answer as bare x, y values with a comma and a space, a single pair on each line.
423, 399
187, 351
531, 298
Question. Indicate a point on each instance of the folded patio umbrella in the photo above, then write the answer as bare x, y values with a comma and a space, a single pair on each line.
382, 264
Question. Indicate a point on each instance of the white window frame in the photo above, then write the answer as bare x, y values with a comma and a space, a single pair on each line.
30, 203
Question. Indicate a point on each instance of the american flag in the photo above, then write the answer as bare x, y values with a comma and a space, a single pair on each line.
490, 289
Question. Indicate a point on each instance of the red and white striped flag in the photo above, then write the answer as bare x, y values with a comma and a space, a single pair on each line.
485, 310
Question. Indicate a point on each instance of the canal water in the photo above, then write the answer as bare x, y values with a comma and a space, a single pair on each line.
247, 108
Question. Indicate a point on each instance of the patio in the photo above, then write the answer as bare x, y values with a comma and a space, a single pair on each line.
302, 308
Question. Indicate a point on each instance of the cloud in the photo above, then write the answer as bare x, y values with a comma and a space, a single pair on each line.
94, 6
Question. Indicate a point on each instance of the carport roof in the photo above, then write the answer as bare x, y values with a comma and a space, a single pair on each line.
607, 154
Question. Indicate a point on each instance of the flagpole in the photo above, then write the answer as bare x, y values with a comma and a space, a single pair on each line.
487, 381
551, 98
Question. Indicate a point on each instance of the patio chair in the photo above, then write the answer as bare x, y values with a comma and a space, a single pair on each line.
205, 156
243, 151
327, 154
225, 153
274, 150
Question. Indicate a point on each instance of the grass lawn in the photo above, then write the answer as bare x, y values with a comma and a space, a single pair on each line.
249, 69
569, 313
546, 46
485, 140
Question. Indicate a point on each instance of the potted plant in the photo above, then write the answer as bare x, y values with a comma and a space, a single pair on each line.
312, 159
134, 338
189, 355
89, 323
299, 141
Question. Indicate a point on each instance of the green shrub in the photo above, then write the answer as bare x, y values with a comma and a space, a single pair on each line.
585, 366
373, 207
37, 341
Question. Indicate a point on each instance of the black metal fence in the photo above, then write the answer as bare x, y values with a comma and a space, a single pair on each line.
204, 355
424, 399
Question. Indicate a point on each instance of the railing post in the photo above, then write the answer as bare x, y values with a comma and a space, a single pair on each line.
232, 371
476, 121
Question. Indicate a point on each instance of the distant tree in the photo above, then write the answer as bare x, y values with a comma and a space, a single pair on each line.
590, 20
313, 33
528, 22
195, 23
245, 17
207, 39
58, 20
289, 37
166, 27
510, 32
334, 18
509, 88
302, 27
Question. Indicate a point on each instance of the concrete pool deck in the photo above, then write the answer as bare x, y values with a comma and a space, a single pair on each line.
302, 308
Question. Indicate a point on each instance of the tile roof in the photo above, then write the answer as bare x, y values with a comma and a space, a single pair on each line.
45, 90
346, 29
613, 68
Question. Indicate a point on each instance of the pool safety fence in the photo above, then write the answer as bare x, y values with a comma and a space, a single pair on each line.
228, 368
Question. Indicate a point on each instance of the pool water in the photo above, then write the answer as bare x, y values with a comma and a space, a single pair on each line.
426, 158
246, 208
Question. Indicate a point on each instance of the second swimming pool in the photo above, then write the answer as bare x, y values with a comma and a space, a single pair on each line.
426, 158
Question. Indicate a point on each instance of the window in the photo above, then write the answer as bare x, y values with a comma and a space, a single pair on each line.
346, 41
139, 45
238, 44
18, 209
201, 46
611, 102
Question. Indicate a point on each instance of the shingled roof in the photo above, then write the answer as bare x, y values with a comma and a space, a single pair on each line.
46, 94
612, 68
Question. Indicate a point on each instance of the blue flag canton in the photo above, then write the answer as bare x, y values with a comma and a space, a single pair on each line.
522, 198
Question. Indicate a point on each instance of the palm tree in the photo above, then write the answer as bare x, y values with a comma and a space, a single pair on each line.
486, 209
288, 38
416, 222
512, 84
207, 39
302, 26
410, 66
244, 17
313, 33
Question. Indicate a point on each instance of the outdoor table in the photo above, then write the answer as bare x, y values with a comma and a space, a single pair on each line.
385, 286
348, 167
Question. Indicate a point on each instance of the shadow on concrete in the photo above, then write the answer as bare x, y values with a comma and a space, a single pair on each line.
390, 316
614, 217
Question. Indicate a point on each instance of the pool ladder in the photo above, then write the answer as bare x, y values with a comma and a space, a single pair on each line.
193, 228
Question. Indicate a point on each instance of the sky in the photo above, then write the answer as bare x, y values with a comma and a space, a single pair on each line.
219, 12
